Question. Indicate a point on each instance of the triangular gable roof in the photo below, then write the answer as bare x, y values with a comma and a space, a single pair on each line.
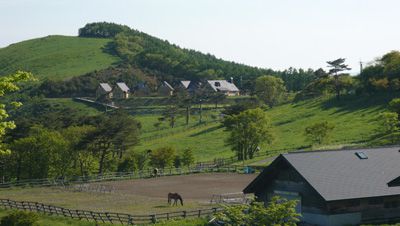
106, 87
341, 174
185, 84
222, 85
166, 84
123, 86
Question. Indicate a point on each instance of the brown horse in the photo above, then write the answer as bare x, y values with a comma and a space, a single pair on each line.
175, 197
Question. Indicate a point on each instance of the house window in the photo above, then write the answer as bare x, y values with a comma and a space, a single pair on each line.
217, 84
375, 201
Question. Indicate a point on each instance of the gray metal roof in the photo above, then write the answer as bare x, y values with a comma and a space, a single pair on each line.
106, 87
185, 84
123, 86
341, 174
166, 84
222, 85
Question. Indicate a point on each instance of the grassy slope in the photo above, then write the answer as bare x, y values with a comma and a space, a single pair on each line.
57, 57
355, 120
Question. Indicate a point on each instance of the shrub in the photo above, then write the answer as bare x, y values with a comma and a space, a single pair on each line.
20, 218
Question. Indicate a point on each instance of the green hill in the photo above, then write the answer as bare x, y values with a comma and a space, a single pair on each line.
355, 119
56, 57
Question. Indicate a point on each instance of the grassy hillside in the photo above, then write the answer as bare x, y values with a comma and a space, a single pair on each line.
57, 57
354, 117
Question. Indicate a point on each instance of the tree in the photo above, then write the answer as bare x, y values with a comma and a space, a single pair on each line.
170, 113
394, 106
270, 89
83, 159
112, 134
44, 153
162, 157
9, 84
337, 66
248, 130
319, 133
187, 157
278, 211
183, 99
390, 122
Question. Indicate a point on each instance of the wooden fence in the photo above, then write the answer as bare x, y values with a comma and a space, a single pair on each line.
104, 217
118, 176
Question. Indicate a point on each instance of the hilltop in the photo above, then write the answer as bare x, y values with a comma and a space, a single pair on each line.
57, 57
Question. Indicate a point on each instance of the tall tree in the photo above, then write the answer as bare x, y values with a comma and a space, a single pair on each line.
336, 67
112, 134
270, 89
248, 130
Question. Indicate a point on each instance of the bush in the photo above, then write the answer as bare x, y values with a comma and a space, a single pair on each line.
162, 157
20, 218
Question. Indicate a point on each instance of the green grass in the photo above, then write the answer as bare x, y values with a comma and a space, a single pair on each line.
68, 102
354, 117
56, 57
46, 220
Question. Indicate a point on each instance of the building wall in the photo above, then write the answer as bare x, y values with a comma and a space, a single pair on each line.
101, 93
119, 94
332, 220
164, 91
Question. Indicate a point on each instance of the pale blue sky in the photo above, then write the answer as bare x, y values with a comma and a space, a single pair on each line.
272, 34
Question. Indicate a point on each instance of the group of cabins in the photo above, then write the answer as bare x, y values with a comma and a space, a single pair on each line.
122, 91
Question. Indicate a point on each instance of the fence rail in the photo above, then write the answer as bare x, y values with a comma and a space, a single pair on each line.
119, 176
104, 217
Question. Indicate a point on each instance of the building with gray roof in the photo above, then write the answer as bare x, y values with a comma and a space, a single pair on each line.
336, 187
121, 91
104, 91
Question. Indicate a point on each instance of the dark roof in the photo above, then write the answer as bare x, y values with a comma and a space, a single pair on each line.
342, 174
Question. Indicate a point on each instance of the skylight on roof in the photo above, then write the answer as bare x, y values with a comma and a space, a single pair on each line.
361, 155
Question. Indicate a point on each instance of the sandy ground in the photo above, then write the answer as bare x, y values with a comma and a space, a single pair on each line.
199, 187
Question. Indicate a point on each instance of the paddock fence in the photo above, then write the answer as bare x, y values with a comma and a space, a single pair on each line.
65, 182
105, 217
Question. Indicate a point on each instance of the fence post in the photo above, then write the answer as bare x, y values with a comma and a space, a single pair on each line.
153, 218
184, 214
130, 220
199, 215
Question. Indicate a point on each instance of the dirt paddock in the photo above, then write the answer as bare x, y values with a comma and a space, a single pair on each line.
199, 187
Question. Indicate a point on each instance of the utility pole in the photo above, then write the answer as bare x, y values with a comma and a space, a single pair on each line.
361, 67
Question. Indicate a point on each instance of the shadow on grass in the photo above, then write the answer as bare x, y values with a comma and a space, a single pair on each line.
211, 129
351, 103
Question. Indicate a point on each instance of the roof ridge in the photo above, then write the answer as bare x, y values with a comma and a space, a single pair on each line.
342, 149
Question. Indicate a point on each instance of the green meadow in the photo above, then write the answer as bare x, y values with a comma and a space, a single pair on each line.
56, 57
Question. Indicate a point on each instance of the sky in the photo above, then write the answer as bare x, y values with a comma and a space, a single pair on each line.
264, 33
